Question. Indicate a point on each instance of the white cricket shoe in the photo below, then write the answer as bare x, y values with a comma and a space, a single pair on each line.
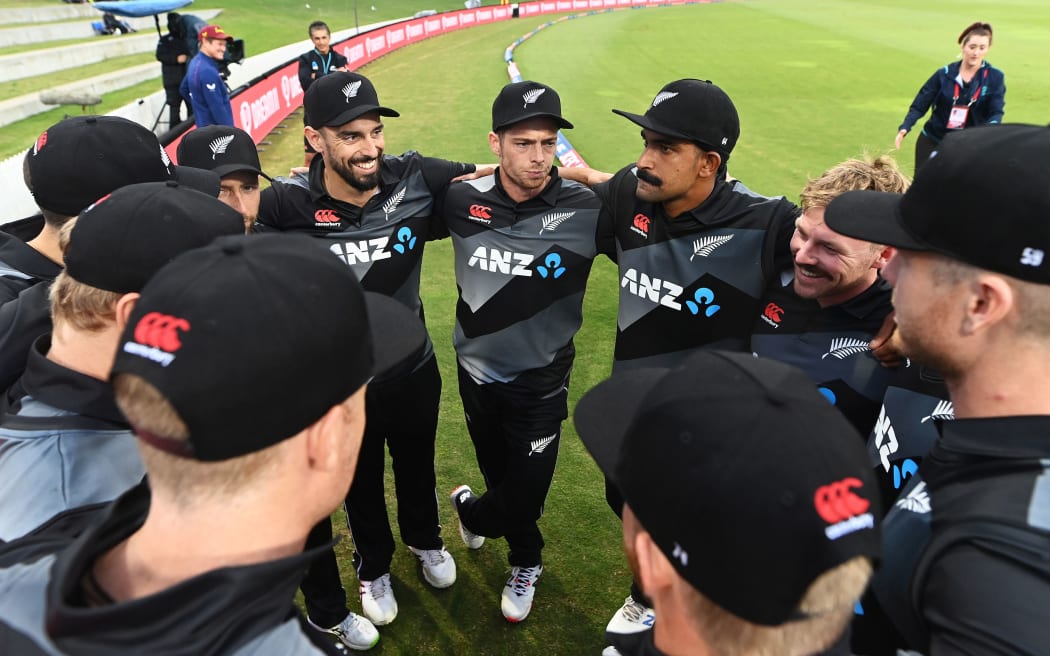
458, 497
516, 601
354, 631
377, 600
438, 567
632, 617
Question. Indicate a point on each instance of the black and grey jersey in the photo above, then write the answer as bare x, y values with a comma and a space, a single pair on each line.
830, 344
694, 280
521, 269
22, 267
382, 241
964, 567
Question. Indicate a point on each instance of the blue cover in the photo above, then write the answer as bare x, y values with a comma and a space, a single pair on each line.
140, 8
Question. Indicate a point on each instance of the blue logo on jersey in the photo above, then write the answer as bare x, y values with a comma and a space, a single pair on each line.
828, 394
703, 298
405, 240
551, 266
901, 474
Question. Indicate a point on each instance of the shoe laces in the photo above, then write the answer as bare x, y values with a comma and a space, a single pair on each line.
377, 588
633, 610
348, 625
434, 557
522, 578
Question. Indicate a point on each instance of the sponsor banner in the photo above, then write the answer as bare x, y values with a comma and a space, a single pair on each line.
567, 155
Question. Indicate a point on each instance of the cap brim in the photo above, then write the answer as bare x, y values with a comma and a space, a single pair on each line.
871, 216
398, 336
357, 112
227, 169
201, 180
561, 123
606, 413
649, 124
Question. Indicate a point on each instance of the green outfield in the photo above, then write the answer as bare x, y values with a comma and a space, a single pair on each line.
815, 82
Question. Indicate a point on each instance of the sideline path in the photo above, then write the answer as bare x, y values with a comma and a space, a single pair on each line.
43, 32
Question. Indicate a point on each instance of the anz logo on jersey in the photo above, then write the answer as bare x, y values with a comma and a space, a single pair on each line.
364, 251
495, 260
666, 293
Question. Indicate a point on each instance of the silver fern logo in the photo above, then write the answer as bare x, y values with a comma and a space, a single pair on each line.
917, 501
707, 245
552, 221
164, 157
843, 347
350, 90
530, 97
219, 146
662, 96
540, 445
391, 203
944, 410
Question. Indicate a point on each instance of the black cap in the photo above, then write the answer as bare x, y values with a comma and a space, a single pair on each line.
338, 98
982, 199
81, 159
254, 338
694, 110
519, 101
748, 480
220, 148
119, 242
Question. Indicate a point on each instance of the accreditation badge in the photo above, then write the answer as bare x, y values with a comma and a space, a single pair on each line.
957, 117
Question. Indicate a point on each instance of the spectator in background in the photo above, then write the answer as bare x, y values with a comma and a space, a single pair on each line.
963, 94
316, 63
173, 53
231, 154
204, 87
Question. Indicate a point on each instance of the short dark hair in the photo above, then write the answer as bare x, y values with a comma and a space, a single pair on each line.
319, 25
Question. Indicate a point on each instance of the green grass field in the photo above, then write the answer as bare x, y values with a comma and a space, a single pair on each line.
815, 81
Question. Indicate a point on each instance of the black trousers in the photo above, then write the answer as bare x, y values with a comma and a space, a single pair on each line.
516, 434
924, 146
402, 416
174, 100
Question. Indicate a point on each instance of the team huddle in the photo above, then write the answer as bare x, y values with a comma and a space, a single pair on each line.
172, 447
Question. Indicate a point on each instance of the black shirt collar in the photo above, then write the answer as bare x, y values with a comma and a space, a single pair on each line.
875, 298
19, 255
197, 616
1018, 437
49, 382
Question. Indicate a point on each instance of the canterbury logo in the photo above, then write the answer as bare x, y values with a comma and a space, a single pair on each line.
480, 212
662, 96
391, 203
641, 224
157, 337
707, 245
219, 146
326, 216
843, 510
540, 445
552, 221
350, 90
773, 312
40, 142
917, 501
944, 411
843, 347
531, 97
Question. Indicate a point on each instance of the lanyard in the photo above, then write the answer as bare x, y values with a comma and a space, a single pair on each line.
977, 92
327, 63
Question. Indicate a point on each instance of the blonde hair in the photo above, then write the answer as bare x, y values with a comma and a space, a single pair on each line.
828, 603
185, 480
876, 174
83, 307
